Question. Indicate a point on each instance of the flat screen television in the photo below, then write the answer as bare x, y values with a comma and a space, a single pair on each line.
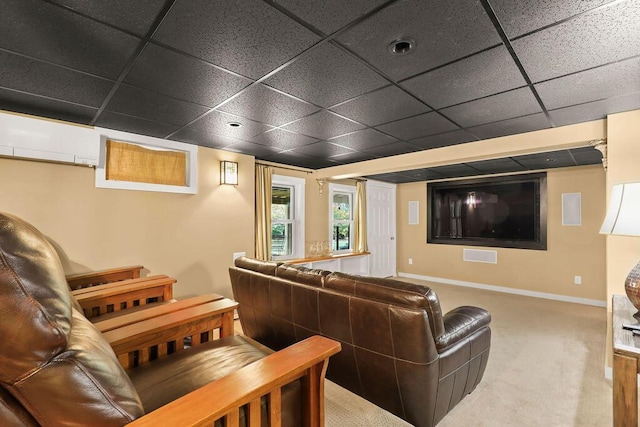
505, 211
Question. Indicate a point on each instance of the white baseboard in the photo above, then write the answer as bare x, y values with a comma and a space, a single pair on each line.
504, 289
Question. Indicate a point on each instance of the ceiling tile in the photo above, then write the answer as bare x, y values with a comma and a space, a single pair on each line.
503, 106
301, 160
586, 155
417, 126
425, 174
282, 139
511, 126
595, 110
245, 36
461, 81
217, 122
323, 125
205, 139
599, 37
591, 85
393, 149
518, 17
36, 77
393, 178
266, 105
354, 156
443, 139
44, 107
555, 159
454, 171
381, 106
497, 166
48, 32
325, 76
136, 16
443, 30
153, 106
329, 15
183, 77
363, 139
249, 148
134, 124
322, 149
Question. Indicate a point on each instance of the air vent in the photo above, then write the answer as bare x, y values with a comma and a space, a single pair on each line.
478, 255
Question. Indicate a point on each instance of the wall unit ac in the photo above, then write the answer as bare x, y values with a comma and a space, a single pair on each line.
39, 139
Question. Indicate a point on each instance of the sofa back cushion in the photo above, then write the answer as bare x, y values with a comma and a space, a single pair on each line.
264, 267
301, 274
54, 361
390, 291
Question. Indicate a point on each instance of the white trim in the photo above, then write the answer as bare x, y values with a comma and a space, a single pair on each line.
341, 188
298, 184
192, 163
504, 289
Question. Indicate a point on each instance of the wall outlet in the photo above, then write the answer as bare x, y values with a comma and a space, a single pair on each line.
577, 280
410, 261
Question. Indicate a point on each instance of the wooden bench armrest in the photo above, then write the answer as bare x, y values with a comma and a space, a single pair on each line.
124, 319
124, 294
141, 342
94, 278
307, 360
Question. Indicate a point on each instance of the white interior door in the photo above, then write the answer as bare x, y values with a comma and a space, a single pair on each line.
381, 228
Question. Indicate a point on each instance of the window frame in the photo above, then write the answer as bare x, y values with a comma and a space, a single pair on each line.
350, 190
191, 151
298, 215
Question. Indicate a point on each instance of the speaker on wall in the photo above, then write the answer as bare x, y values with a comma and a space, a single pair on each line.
414, 206
571, 208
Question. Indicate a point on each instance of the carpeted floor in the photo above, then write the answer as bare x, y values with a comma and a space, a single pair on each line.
546, 368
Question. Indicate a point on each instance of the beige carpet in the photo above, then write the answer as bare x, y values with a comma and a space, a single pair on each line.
546, 368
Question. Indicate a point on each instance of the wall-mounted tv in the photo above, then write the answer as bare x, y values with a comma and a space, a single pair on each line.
505, 211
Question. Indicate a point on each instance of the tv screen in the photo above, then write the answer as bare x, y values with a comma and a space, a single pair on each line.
501, 211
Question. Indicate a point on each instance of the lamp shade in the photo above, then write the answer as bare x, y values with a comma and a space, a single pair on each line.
623, 215
228, 172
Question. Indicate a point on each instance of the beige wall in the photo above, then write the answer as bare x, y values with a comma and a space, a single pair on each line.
189, 237
571, 251
623, 146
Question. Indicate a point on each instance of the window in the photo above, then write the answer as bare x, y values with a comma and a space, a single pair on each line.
341, 217
287, 217
137, 162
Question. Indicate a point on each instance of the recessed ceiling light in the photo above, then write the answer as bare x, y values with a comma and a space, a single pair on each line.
401, 46
234, 124
550, 159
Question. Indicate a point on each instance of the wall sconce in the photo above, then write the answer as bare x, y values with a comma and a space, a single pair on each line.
623, 219
228, 172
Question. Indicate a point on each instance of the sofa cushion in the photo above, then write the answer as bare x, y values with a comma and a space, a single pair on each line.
390, 291
301, 274
54, 361
265, 267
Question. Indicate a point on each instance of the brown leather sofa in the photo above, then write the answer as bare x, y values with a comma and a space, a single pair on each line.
398, 350
57, 369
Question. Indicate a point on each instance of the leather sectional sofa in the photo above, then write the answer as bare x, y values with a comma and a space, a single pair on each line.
398, 350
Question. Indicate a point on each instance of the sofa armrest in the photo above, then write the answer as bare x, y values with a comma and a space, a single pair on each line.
460, 323
94, 278
141, 342
307, 359
124, 294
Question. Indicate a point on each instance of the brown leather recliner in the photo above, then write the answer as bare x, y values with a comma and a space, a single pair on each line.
398, 350
57, 369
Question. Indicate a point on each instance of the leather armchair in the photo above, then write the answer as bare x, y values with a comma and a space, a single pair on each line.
56, 368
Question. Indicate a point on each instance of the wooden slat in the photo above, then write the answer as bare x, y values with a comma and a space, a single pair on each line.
94, 278
122, 286
233, 418
254, 412
275, 407
215, 400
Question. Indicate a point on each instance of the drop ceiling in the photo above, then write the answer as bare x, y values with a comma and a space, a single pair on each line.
313, 84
